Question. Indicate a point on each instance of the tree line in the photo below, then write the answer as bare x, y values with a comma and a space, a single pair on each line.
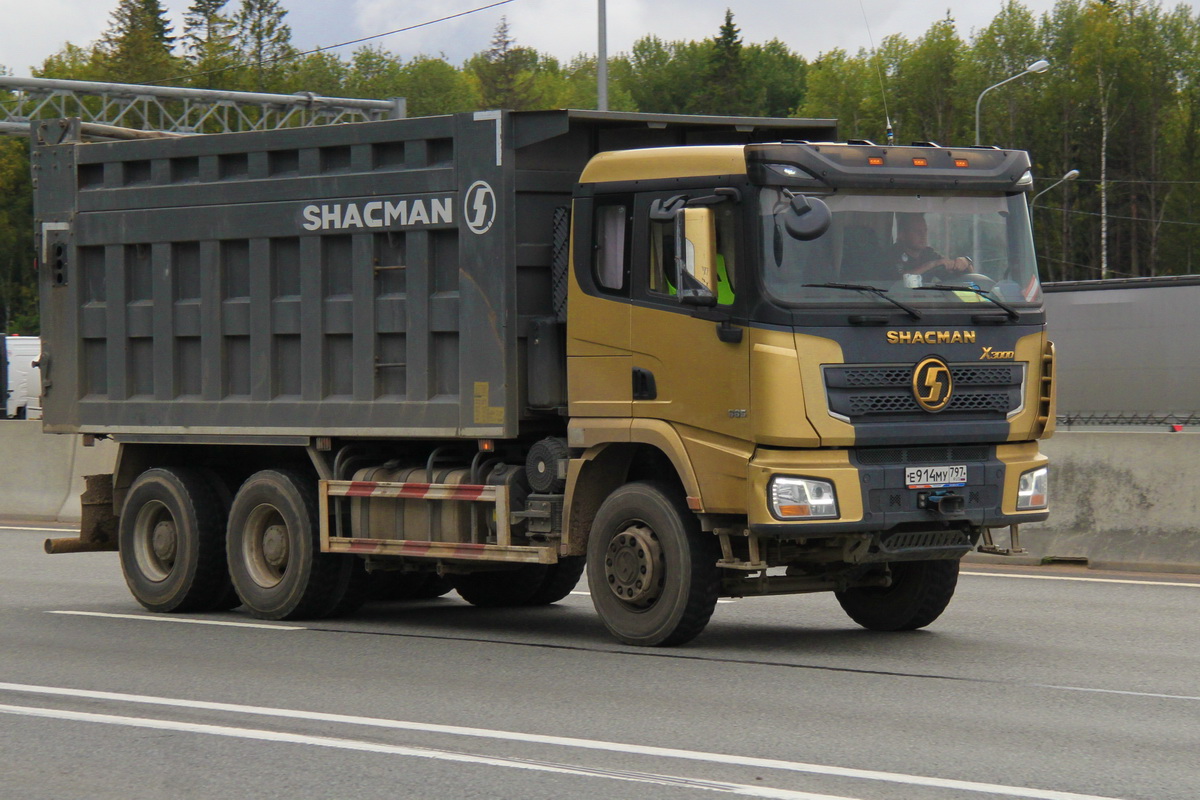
1120, 103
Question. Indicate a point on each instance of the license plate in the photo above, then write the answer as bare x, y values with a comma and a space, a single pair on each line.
935, 477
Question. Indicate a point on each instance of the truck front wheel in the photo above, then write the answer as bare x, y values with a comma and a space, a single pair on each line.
651, 571
172, 541
274, 550
919, 593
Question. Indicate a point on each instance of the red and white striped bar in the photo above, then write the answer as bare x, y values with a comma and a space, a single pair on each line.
503, 550
413, 491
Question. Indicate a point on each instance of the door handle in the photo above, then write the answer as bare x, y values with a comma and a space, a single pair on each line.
644, 387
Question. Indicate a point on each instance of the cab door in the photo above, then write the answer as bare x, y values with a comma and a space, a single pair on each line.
598, 355
690, 365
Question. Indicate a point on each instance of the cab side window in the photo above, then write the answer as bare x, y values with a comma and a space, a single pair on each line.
662, 257
726, 214
610, 259
662, 254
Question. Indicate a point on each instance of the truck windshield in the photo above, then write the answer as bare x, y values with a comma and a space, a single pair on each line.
901, 242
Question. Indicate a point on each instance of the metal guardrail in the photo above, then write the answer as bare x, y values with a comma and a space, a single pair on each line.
178, 110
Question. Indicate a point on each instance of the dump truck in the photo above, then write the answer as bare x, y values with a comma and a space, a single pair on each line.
492, 351
20, 378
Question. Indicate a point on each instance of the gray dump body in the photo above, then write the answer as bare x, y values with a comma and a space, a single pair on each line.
375, 279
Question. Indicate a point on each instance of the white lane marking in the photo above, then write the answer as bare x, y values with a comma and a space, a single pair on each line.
182, 620
1124, 692
742, 789
1074, 578
40, 530
564, 741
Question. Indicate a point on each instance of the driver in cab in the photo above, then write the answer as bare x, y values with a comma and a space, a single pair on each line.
912, 255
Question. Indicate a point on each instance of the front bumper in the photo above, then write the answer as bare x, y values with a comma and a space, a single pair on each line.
872, 495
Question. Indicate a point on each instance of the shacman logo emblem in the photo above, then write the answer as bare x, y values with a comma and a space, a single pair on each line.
479, 207
932, 384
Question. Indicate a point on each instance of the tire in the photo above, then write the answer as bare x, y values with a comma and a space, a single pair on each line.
229, 599
172, 541
390, 586
436, 586
501, 589
644, 530
919, 593
273, 545
560, 579
354, 584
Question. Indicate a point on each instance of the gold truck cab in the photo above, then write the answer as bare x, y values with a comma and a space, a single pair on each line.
752, 330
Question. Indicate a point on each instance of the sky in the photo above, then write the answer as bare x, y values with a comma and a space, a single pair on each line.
34, 29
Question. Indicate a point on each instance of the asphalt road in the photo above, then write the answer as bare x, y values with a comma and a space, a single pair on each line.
1036, 683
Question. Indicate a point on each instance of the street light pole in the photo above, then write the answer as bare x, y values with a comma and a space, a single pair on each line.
1070, 176
602, 61
1041, 65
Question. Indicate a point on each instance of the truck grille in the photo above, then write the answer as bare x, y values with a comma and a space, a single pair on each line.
938, 454
980, 391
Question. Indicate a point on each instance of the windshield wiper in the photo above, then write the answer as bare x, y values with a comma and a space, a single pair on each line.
953, 287
875, 290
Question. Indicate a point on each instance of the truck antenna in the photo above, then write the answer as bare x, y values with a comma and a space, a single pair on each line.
891, 134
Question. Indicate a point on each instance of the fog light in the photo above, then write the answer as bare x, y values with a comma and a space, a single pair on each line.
1031, 493
802, 498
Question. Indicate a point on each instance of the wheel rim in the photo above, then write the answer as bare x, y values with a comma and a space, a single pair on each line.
266, 546
155, 541
633, 566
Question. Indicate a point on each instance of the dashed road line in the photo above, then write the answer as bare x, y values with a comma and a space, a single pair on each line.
181, 620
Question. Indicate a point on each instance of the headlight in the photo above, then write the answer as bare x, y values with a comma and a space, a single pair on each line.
1031, 493
802, 498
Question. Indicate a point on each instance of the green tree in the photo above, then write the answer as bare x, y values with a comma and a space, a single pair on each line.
18, 282
1003, 48
265, 41
781, 74
434, 87
725, 86
925, 85
137, 47
321, 73
661, 76
575, 86
208, 37
375, 73
505, 73
839, 87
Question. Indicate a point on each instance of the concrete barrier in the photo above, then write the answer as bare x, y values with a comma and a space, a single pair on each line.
1120, 499
41, 475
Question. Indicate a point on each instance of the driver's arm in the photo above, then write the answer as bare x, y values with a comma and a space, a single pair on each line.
960, 264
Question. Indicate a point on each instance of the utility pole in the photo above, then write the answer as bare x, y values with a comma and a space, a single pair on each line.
602, 61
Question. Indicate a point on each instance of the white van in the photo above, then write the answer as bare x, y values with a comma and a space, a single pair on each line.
24, 379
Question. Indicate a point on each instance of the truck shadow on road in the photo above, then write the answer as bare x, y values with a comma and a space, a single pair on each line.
573, 626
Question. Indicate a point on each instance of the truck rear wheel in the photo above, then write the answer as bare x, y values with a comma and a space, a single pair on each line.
172, 541
388, 586
224, 497
500, 589
651, 570
274, 550
561, 578
919, 593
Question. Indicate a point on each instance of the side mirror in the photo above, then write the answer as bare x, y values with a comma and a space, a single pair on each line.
807, 218
696, 256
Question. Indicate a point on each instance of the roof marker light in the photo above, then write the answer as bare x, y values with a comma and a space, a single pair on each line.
920, 162
875, 161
